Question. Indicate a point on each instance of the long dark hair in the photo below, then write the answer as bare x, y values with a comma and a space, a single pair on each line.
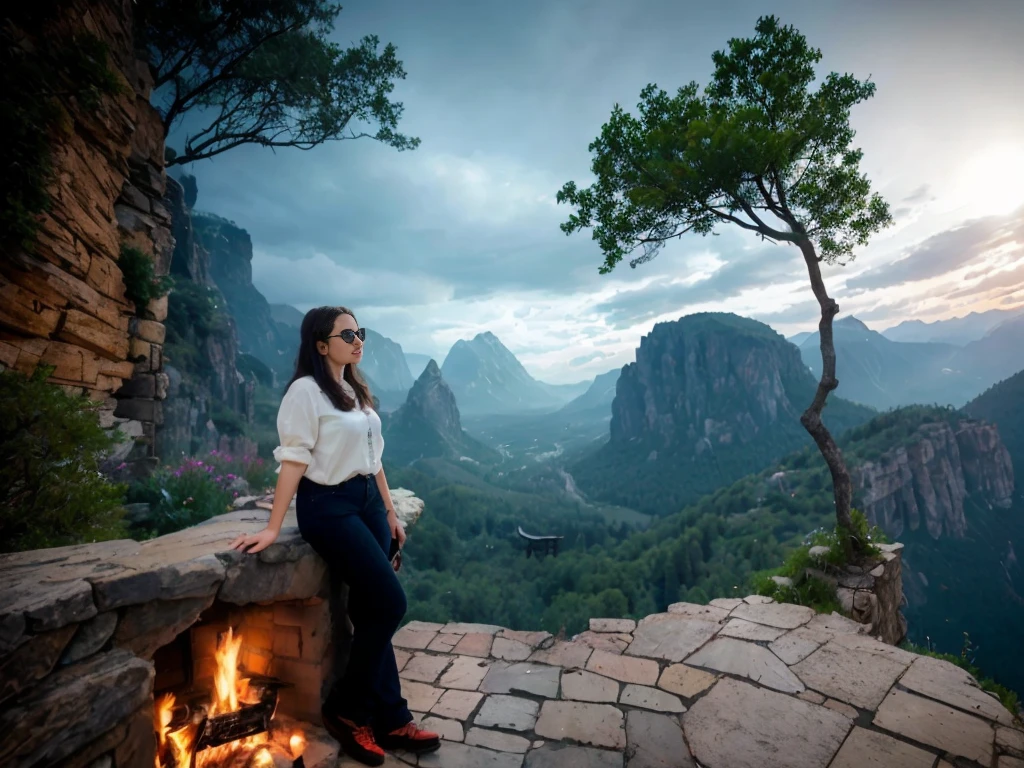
316, 327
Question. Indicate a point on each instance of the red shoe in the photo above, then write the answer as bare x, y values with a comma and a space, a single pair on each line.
410, 738
356, 741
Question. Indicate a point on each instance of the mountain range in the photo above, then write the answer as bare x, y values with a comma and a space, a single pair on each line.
956, 330
874, 370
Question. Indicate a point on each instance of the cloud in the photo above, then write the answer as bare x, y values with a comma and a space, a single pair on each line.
919, 195
595, 355
719, 279
952, 249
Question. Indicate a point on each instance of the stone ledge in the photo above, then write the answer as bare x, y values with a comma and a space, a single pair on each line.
45, 590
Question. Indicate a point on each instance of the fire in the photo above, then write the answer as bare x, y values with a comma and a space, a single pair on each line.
230, 691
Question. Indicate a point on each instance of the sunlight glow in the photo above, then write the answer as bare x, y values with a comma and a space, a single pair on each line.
992, 181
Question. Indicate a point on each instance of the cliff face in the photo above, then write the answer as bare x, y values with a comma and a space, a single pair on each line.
208, 399
64, 304
707, 380
926, 482
230, 264
384, 362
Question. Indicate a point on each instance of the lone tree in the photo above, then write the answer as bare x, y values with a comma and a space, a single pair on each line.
757, 149
264, 72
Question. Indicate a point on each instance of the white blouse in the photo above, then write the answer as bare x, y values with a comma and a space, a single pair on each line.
334, 445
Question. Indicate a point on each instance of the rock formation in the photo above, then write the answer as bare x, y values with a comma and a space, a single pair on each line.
924, 483
64, 304
428, 424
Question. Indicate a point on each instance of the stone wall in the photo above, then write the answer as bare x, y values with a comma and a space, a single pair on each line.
64, 304
872, 594
79, 627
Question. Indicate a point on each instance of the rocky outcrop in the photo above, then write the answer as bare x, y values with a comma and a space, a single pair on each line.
385, 364
208, 398
710, 380
230, 264
923, 483
428, 425
63, 304
432, 399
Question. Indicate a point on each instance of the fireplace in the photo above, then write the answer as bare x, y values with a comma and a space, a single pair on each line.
96, 638
243, 685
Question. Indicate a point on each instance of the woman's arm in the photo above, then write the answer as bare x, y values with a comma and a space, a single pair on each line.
287, 483
397, 531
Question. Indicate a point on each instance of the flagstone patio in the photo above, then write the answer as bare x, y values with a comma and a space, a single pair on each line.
736, 684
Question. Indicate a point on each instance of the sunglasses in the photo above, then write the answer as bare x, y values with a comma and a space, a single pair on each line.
348, 335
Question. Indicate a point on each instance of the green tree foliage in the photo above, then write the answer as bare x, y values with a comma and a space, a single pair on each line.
757, 149
265, 73
52, 491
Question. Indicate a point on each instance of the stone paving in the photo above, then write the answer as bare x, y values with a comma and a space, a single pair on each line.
735, 684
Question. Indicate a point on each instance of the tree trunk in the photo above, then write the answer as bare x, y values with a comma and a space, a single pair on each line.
842, 486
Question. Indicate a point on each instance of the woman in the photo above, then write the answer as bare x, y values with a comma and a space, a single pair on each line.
330, 455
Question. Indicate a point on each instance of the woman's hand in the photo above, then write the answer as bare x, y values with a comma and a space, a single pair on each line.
255, 542
397, 531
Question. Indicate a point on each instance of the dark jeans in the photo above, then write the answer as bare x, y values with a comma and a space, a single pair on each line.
347, 525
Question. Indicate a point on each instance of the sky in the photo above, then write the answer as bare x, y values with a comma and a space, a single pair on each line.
461, 235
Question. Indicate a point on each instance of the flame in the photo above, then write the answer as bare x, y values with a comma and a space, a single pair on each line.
180, 741
230, 690
297, 745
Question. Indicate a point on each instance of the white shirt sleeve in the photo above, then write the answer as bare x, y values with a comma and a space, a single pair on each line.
298, 424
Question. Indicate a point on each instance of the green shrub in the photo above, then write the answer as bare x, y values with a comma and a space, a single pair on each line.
51, 488
141, 282
807, 590
196, 490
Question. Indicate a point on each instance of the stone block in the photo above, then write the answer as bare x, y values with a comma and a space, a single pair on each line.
164, 578
763, 727
580, 685
150, 330
144, 628
140, 385
449, 730
65, 713
512, 713
685, 681
458, 705
650, 698
157, 308
251, 579
420, 696
566, 756
670, 637
140, 409
33, 660
599, 725
612, 625
655, 741
612, 642
502, 742
89, 332
939, 679
475, 644
454, 755
509, 650
624, 668
523, 677
425, 668
465, 673
855, 676
737, 657
562, 654
936, 725
288, 642
91, 636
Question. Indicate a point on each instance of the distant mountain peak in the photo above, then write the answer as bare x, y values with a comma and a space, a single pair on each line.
432, 371
851, 322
